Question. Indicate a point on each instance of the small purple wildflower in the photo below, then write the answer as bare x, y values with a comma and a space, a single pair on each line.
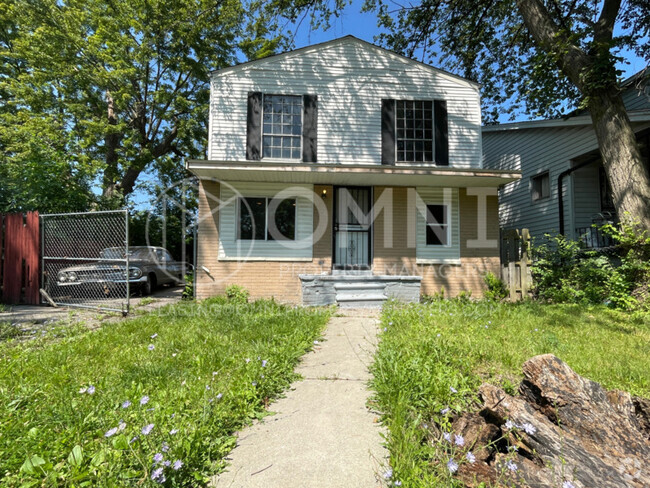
458, 440
511, 465
529, 428
219, 396
146, 430
264, 363
111, 432
397, 483
151, 347
126, 404
254, 383
173, 432
91, 390
154, 336
438, 335
447, 436
453, 390
178, 464
513, 448
122, 426
568, 484
167, 463
144, 400
470, 458
388, 474
157, 458
248, 360
207, 387
316, 342
164, 447
133, 439
445, 411
452, 466
509, 425
158, 475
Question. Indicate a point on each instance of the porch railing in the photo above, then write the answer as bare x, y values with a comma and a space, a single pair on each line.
593, 238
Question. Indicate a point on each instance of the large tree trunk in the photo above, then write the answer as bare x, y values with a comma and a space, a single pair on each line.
626, 171
112, 142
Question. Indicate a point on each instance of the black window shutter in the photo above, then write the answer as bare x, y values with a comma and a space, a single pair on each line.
441, 146
309, 128
254, 126
387, 131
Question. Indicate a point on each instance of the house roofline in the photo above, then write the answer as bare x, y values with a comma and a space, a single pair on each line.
350, 174
580, 120
338, 40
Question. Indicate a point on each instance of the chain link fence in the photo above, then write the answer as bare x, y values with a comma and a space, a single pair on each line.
86, 258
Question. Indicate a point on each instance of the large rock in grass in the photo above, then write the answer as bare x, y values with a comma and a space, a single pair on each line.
562, 431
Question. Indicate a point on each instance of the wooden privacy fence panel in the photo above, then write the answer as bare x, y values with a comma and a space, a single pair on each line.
515, 263
20, 264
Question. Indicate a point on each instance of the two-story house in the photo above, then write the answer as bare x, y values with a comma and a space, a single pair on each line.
564, 188
342, 172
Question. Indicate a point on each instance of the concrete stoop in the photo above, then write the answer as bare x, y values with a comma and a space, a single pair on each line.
356, 290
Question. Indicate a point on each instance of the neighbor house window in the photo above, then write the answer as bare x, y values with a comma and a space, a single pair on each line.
541, 187
437, 225
267, 219
282, 126
414, 130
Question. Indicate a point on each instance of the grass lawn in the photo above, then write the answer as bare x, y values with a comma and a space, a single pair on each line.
433, 357
153, 398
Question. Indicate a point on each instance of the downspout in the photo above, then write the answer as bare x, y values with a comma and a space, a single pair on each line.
560, 197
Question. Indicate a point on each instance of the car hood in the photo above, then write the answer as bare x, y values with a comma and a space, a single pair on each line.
103, 266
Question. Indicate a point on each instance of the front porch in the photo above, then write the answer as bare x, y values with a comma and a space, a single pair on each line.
358, 289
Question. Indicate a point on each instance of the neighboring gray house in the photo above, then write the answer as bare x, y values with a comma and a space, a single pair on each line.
561, 153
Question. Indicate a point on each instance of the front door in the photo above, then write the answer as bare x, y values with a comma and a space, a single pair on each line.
352, 224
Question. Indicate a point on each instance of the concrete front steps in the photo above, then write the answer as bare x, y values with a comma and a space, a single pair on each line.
358, 290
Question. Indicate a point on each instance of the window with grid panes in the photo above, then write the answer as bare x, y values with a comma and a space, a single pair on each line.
414, 130
282, 126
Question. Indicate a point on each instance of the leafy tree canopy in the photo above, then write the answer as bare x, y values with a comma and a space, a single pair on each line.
95, 91
489, 41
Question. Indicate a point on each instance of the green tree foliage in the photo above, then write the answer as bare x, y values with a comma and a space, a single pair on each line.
95, 91
541, 58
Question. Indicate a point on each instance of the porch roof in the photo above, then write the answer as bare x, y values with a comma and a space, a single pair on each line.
350, 174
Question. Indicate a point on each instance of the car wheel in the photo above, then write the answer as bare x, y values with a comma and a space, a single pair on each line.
149, 286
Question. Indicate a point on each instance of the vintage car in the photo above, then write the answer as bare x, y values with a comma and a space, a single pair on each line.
148, 267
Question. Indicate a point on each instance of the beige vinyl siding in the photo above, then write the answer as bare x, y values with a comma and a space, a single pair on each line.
350, 79
230, 248
438, 254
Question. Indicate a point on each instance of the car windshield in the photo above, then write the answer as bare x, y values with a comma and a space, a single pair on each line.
143, 254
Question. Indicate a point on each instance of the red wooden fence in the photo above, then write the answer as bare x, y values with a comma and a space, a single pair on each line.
20, 263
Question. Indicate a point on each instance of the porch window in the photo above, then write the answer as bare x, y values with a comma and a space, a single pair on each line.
437, 230
414, 130
541, 187
267, 219
282, 126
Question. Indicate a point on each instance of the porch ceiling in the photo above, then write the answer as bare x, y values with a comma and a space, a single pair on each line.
349, 174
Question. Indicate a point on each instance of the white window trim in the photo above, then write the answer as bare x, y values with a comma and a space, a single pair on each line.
433, 132
302, 121
266, 219
447, 226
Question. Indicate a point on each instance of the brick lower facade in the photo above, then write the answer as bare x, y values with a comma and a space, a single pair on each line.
279, 279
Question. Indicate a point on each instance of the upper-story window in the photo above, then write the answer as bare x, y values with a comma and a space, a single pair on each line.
282, 127
414, 130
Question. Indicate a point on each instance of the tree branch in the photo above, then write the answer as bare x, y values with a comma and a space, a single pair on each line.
604, 28
572, 60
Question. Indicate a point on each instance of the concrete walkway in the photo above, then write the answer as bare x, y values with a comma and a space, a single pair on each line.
322, 434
